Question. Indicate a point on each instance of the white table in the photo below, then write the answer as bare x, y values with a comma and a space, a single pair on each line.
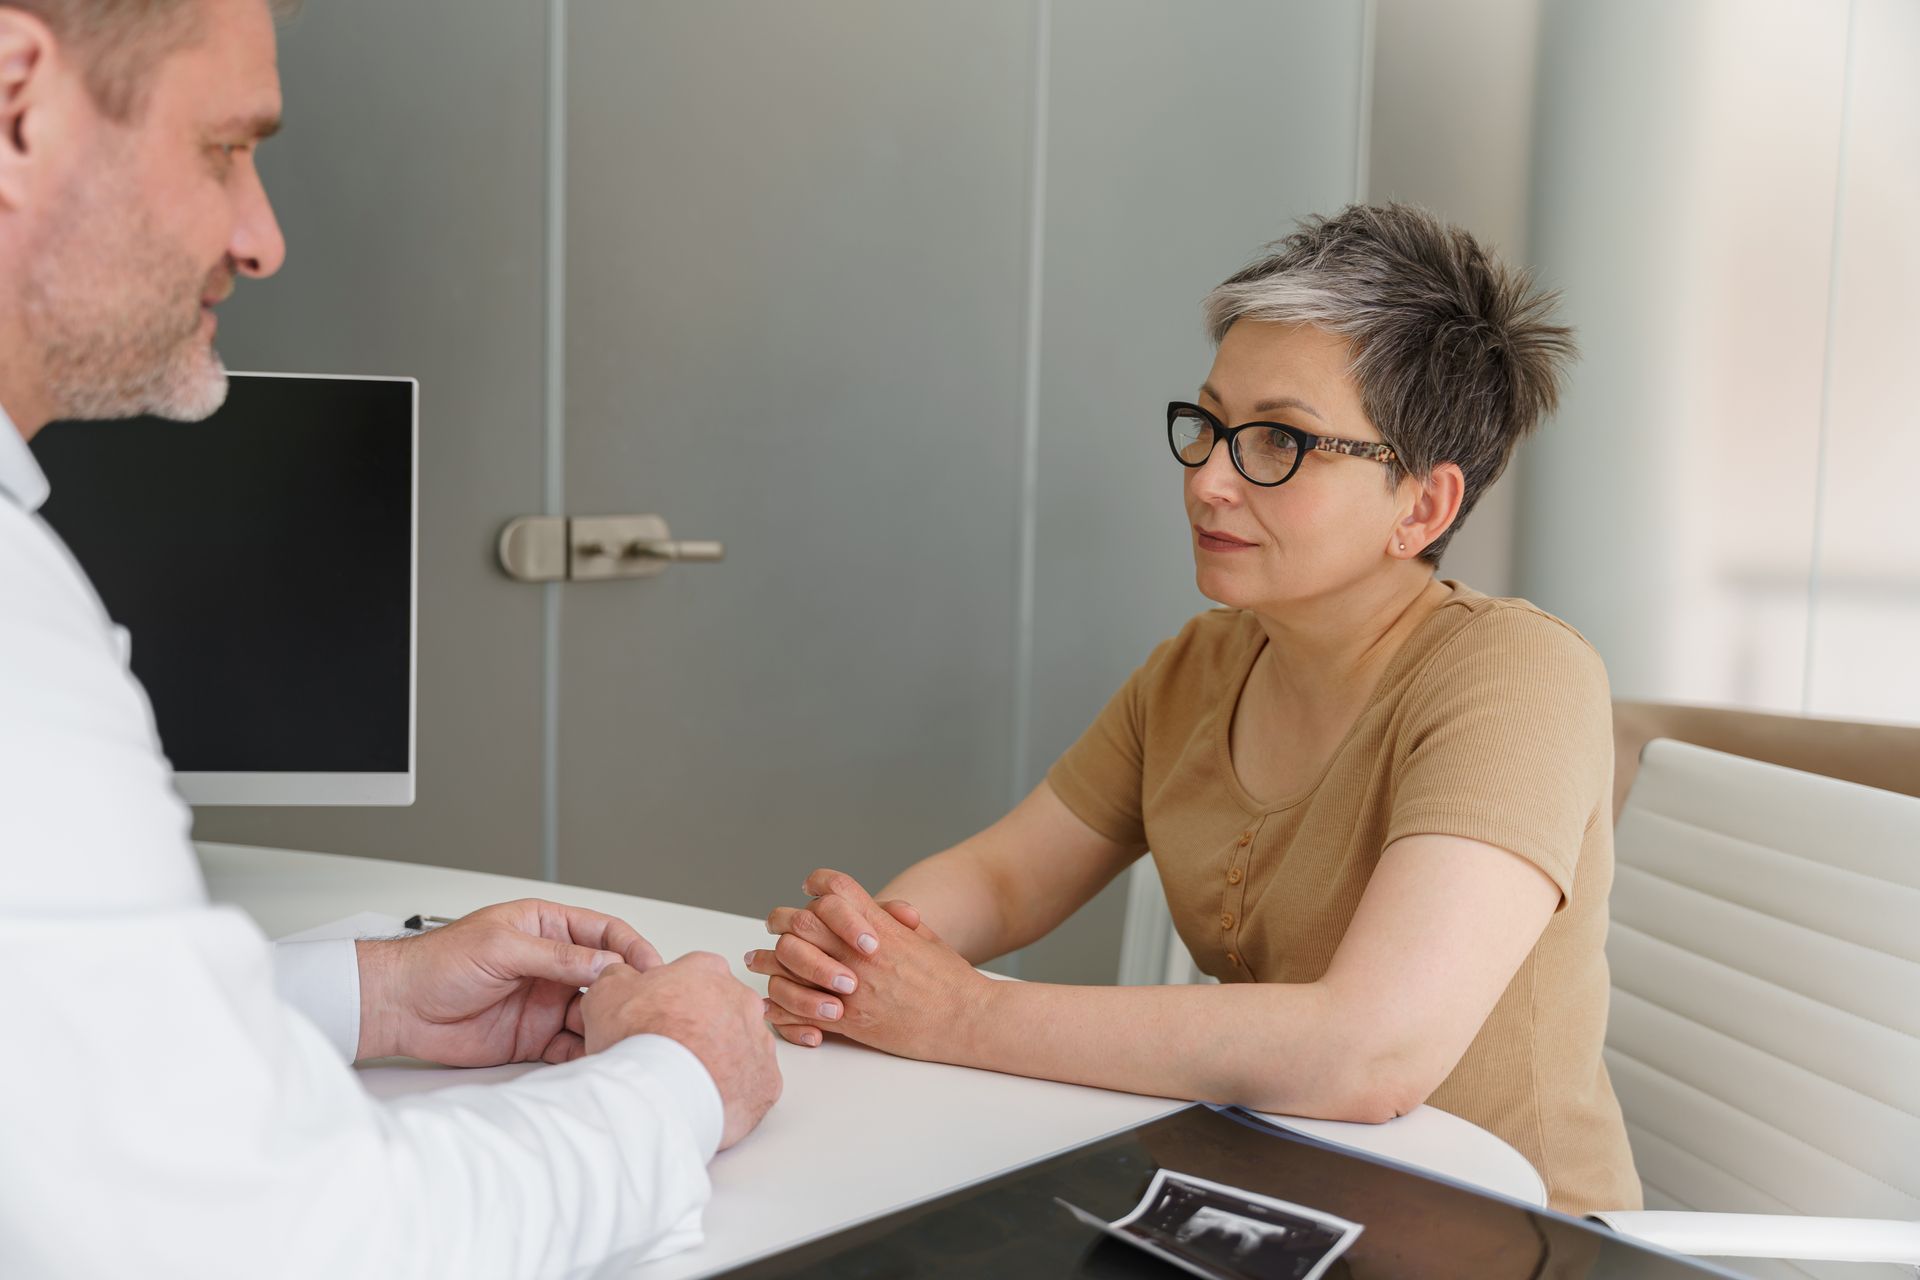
857, 1133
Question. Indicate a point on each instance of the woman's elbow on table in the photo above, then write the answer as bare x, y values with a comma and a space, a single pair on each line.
1373, 1093
1384, 1090
1358, 1078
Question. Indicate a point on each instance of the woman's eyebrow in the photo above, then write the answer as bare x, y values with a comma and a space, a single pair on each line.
1267, 406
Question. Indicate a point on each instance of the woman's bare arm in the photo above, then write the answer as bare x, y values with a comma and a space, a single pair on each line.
1014, 882
1443, 927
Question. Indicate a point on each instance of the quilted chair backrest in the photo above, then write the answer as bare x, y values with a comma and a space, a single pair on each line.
1764, 1037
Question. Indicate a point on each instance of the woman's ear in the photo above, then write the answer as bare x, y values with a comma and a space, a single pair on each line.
1435, 506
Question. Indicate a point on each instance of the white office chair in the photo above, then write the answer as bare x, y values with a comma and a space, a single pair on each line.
1764, 1037
1151, 952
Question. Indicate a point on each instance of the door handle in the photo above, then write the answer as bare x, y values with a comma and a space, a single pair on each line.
595, 548
664, 549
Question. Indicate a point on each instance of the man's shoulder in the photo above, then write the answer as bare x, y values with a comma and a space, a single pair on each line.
51, 619
92, 795
36, 569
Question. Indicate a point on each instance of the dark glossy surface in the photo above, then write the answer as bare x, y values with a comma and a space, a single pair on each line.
1417, 1228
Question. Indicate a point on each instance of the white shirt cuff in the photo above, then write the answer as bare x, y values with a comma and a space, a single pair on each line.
322, 980
685, 1077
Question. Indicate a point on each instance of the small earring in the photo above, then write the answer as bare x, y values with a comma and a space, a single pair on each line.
1403, 546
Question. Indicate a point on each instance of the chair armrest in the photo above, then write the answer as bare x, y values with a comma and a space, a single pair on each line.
1758, 1235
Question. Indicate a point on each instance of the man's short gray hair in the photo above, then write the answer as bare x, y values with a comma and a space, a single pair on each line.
1454, 352
118, 43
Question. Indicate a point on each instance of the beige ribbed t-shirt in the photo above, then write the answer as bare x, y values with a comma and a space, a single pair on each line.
1492, 722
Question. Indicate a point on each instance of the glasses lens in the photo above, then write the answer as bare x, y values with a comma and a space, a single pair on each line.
1267, 454
1192, 436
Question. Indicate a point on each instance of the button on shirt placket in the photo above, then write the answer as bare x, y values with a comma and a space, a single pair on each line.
1233, 898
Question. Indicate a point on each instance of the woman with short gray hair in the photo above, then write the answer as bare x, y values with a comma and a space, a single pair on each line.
1379, 801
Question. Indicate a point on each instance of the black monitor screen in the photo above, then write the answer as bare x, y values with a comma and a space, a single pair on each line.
263, 562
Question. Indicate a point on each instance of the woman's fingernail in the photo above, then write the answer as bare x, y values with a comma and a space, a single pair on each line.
813, 1039
829, 1010
843, 984
869, 943
766, 1006
750, 958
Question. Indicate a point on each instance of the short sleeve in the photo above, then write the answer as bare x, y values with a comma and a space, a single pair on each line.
1508, 740
1099, 777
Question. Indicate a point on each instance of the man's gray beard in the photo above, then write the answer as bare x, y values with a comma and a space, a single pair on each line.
101, 305
99, 379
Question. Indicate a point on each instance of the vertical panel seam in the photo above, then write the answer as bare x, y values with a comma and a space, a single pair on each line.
1026, 580
1025, 588
554, 497
1363, 109
1823, 429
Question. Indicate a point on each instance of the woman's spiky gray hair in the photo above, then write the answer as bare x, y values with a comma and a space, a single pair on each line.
1455, 354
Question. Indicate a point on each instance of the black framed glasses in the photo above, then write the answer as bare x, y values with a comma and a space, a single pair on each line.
1266, 453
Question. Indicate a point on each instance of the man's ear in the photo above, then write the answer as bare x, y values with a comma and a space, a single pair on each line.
27, 56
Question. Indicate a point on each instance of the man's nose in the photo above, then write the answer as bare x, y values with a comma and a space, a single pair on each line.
258, 248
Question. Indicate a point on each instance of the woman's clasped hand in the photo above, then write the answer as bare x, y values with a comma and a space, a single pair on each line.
871, 971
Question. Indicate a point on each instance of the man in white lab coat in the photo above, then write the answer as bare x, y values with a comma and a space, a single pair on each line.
174, 1094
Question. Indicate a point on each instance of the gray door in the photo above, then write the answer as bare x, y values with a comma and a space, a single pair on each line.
885, 297
795, 304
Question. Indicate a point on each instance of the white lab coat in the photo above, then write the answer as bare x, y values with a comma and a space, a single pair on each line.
165, 1111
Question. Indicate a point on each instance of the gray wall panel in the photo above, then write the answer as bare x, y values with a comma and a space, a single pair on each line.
409, 182
1183, 137
797, 239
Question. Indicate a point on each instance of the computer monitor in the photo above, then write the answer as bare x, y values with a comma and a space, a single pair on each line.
264, 562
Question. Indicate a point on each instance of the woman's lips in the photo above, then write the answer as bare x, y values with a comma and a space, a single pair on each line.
1212, 540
